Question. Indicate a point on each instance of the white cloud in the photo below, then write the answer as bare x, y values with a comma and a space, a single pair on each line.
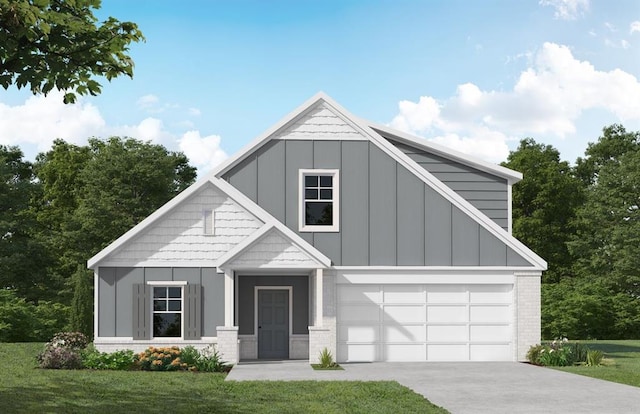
147, 101
42, 119
634, 27
567, 9
548, 98
203, 152
610, 26
194, 112
34, 125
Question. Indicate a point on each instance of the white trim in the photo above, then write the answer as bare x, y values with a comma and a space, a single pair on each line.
166, 283
442, 269
157, 263
318, 298
374, 278
449, 153
229, 306
335, 200
96, 307
208, 222
255, 309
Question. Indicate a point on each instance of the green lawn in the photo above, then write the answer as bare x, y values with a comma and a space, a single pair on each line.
626, 362
25, 389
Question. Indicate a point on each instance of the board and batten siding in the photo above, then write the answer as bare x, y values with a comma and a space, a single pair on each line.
115, 289
487, 192
388, 216
180, 235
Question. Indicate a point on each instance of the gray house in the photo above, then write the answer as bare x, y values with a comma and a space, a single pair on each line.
328, 231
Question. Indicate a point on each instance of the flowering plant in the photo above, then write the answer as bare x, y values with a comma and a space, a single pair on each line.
161, 359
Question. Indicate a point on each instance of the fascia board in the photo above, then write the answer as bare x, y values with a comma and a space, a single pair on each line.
135, 230
511, 175
263, 138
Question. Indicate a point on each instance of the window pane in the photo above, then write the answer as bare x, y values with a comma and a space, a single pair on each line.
175, 292
310, 180
175, 305
326, 194
160, 305
326, 181
167, 325
311, 194
319, 214
159, 292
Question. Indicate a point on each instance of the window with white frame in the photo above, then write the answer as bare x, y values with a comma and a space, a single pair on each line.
167, 311
318, 197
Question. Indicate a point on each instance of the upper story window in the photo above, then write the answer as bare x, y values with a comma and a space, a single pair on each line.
318, 197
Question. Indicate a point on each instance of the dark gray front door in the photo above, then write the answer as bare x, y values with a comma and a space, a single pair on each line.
273, 324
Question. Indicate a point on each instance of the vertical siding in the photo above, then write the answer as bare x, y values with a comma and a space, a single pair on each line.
271, 168
382, 208
115, 287
411, 218
245, 177
388, 217
437, 229
354, 203
486, 192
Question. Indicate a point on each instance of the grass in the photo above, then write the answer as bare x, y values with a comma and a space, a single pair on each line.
25, 389
626, 362
319, 367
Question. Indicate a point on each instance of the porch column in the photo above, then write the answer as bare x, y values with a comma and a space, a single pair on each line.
229, 297
228, 344
318, 299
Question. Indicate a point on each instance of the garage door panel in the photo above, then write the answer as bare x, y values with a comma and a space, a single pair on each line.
487, 333
446, 294
490, 314
447, 333
447, 314
367, 294
360, 313
359, 333
404, 294
404, 313
491, 352
406, 333
358, 353
448, 352
394, 322
490, 294
404, 352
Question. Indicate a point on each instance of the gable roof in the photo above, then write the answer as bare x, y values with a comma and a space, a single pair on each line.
269, 222
368, 132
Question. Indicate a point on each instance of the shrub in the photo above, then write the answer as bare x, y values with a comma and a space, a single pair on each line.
118, 360
60, 358
161, 359
558, 353
63, 351
594, 357
533, 355
211, 361
326, 359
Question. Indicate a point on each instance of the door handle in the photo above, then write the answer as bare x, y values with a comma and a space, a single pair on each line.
259, 327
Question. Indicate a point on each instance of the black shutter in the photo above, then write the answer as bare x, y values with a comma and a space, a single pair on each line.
193, 312
141, 311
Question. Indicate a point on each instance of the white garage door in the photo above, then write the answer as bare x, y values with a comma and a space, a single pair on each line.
425, 322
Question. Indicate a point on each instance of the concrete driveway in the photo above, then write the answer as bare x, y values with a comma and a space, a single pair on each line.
472, 387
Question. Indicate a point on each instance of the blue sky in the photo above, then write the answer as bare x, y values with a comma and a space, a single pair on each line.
475, 75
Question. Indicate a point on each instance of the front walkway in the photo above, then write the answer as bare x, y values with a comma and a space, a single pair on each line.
471, 387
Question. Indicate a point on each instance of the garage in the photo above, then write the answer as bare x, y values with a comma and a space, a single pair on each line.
425, 322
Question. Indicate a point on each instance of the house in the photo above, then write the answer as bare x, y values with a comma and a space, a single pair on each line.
328, 231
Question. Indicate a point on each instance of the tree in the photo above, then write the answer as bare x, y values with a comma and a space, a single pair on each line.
47, 44
23, 259
544, 204
81, 318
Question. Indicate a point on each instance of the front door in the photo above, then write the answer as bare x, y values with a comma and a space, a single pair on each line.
273, 324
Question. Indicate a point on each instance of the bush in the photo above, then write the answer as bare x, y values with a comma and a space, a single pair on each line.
211, 361
594, 357
161, 359
63, 351
326, 359
559, 353
118, 360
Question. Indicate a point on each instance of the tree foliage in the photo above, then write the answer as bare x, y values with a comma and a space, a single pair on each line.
81, 314
544, 204
47, 44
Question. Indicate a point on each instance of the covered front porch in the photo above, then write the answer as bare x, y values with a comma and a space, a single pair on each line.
275, 290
